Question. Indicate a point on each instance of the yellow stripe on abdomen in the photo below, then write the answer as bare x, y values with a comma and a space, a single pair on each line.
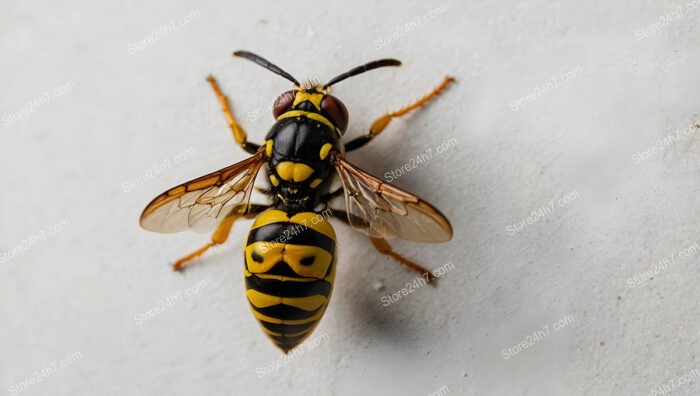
262, 300
289, 271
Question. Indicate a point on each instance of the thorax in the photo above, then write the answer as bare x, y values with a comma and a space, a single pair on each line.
299, 167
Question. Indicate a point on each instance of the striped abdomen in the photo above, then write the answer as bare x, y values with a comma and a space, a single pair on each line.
289, 271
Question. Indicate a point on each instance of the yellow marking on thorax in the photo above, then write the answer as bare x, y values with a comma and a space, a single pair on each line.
325, 149
315, 183
310, 115
294, 171
314, 98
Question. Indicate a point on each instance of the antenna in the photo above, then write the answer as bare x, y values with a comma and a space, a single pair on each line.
362, 69
266, 64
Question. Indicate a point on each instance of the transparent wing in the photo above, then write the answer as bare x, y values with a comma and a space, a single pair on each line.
202, 203
381, 210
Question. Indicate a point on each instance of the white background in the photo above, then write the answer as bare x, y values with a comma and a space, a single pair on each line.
80, 289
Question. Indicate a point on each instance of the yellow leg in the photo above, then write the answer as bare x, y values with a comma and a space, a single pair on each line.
383, 247
182, 263
239, 133
381, 123
220, 235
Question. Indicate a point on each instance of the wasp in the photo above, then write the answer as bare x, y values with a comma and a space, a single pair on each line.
291, 250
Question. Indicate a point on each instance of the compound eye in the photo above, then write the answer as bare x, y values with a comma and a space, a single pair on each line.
336, 110
283, 103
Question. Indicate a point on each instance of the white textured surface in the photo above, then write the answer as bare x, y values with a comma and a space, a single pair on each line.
79, 290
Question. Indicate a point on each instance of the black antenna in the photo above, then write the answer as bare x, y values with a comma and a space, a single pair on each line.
362, 69
266, 64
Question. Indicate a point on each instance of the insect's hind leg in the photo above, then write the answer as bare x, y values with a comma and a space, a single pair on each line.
239, 133
380, 123
383, 247
220, 235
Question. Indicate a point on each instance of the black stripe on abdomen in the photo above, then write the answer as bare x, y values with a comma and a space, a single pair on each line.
283, 328
291, 233
275, 287
286, 312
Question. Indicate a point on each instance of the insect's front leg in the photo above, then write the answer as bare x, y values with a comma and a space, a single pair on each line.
239, 133
380, 123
